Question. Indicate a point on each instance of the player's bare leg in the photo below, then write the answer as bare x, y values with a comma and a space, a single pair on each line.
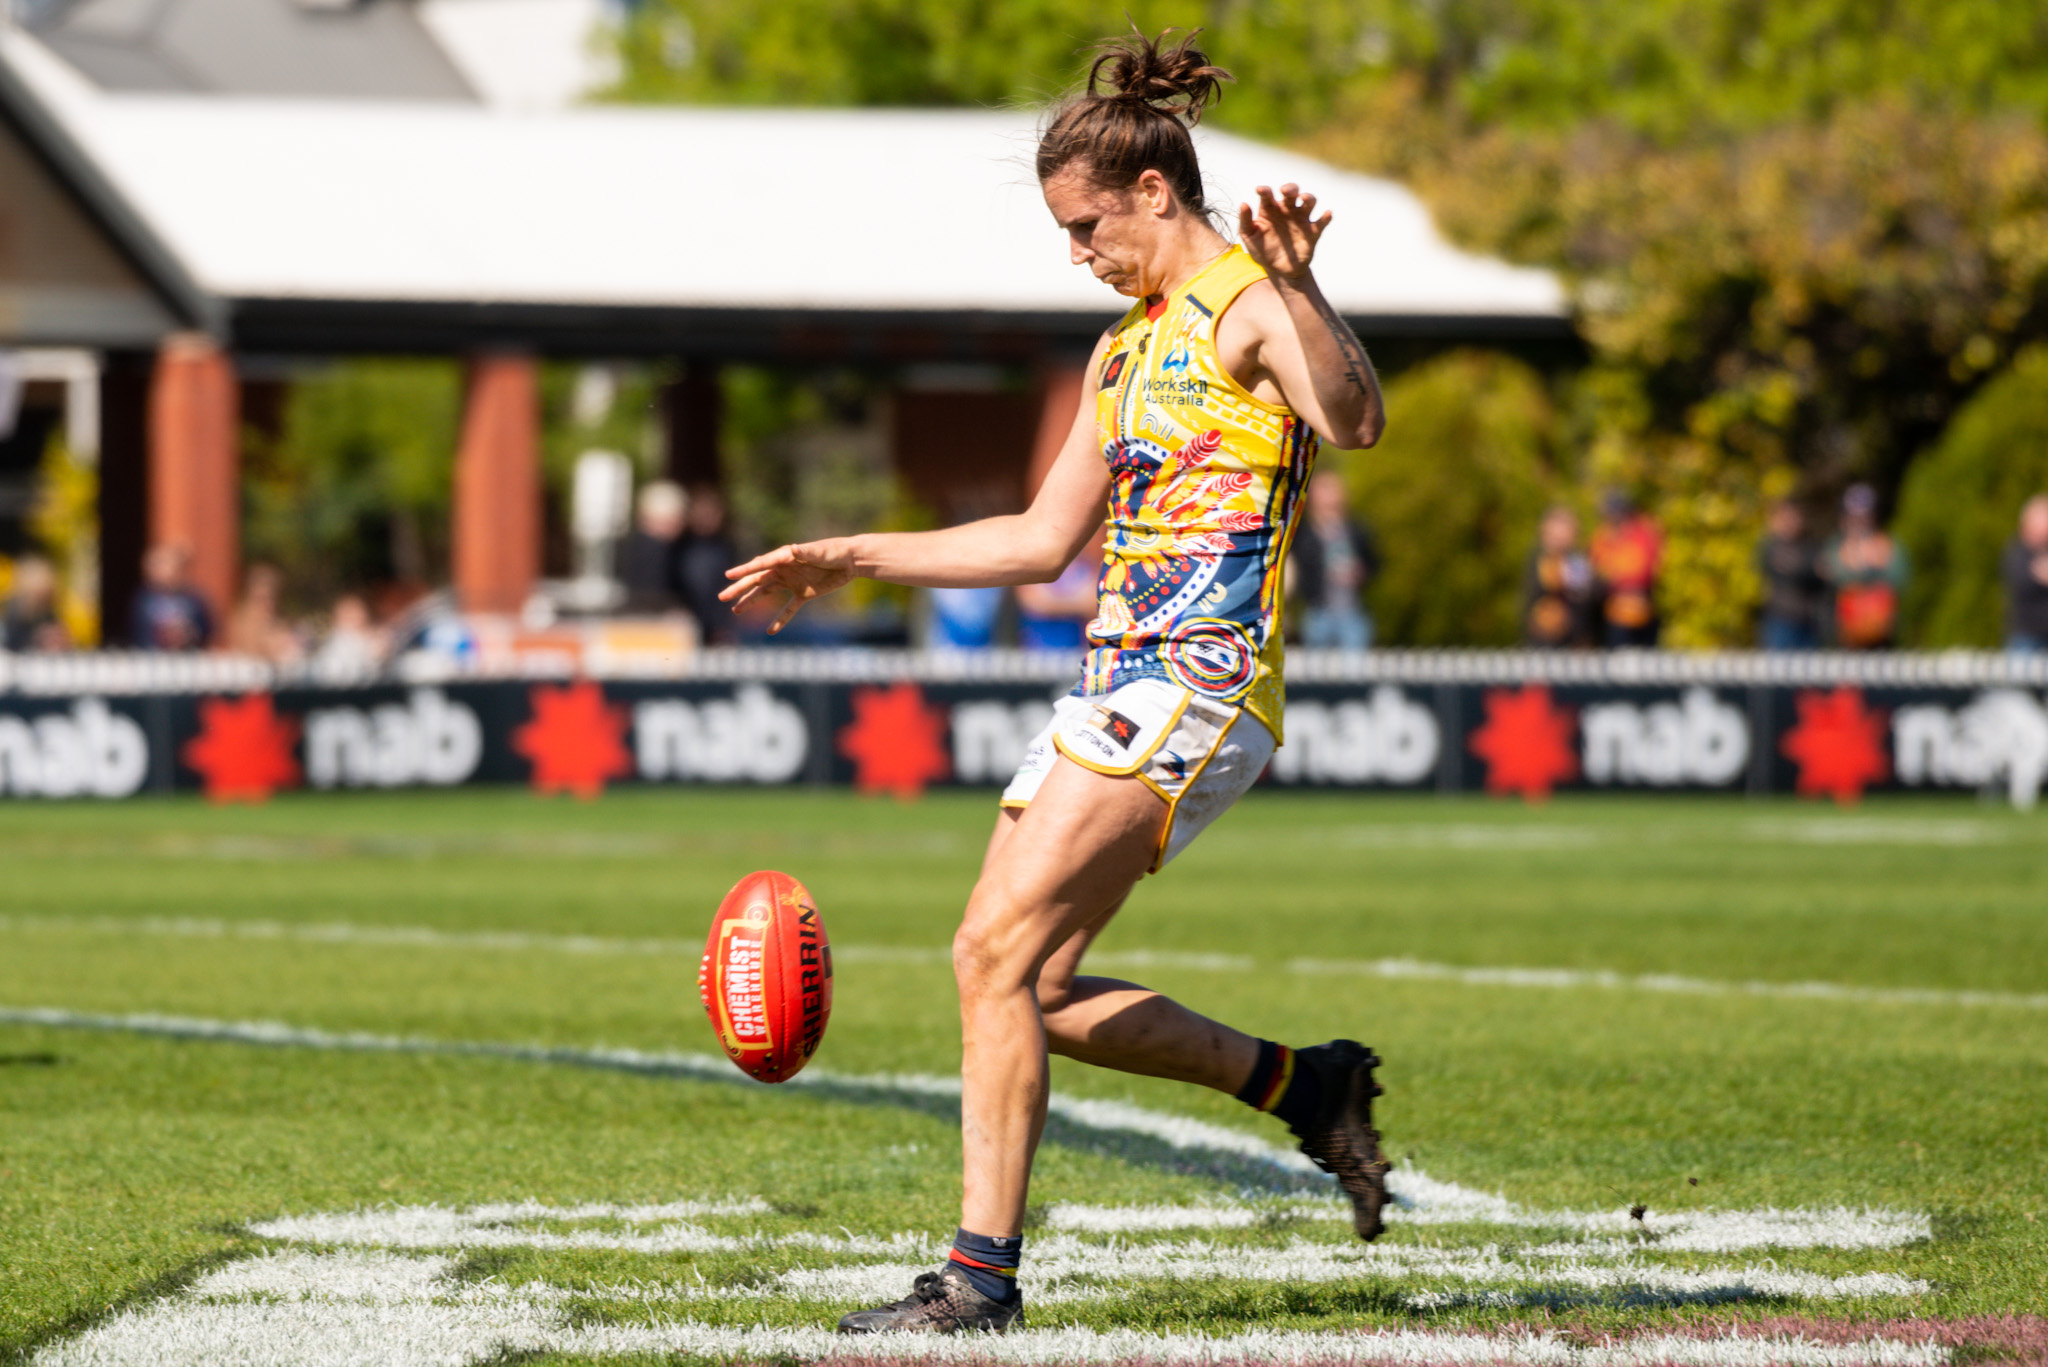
1111, 1023
1083, 842
1122, 1025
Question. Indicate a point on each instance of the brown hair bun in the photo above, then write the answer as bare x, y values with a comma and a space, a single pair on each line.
1140, 123
1177, 80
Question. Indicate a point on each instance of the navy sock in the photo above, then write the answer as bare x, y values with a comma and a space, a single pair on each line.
1279, 1088
990, 1263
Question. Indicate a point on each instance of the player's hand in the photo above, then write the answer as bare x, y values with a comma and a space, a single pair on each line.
1282, 235
796, 573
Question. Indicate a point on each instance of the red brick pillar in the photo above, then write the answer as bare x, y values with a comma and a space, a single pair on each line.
194, 465
1059, 401
496, 536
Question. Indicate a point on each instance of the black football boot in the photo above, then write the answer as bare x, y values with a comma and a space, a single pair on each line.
942, 1302
1341, 1140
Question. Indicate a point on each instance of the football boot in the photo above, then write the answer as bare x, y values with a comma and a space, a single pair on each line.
942, 1302
1341, 1140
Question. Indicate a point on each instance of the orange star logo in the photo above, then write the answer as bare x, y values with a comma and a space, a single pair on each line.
1526, 742
896, 742
243, 750
1838, 745
576, 740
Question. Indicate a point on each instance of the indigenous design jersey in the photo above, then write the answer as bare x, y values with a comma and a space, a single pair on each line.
1205, 483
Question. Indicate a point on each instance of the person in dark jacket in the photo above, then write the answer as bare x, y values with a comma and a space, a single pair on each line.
1334, 559
701, 557
1788, 560
169, 613
2025, 568
647, 560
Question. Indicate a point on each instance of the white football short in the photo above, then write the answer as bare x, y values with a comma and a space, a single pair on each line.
1198, 754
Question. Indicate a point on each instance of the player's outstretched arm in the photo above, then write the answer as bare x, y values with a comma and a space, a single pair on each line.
1309, 349
1031, 547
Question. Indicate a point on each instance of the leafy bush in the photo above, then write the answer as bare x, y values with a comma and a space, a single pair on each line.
1453, 492
1962, 501
355, 488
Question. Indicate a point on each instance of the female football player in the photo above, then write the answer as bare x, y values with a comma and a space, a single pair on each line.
1197, 431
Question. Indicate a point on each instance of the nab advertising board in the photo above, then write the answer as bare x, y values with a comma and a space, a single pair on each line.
902, 736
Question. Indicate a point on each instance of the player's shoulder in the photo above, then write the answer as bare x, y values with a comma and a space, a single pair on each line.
1255, 314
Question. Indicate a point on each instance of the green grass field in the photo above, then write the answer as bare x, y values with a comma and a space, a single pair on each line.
155, 1190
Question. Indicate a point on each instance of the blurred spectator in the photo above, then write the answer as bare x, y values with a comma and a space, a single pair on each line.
1558, 586
1867, 571
1627, 551
964, 619
1334, 559
254, 628
702, 558
31, 621
353, 647
1794, 593
647, 560
169, 615
2026, 581
1055, 616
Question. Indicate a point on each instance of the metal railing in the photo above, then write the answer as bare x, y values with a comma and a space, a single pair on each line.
134, 672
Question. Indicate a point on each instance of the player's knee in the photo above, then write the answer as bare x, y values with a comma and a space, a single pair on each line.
1054, 995
978, 958
989, 954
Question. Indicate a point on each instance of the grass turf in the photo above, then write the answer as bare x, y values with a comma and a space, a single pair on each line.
128, 1166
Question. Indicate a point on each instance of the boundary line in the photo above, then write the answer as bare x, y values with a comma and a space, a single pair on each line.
517, 941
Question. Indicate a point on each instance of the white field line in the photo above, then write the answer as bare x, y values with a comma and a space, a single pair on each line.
1665, 982
439, 1227
1418, 1197
521, 941
1699, 1231
353, 1308
1064, 1268
1879, 830
518, 941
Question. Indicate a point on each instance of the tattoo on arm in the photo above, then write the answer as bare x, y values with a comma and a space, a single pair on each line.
1357, 366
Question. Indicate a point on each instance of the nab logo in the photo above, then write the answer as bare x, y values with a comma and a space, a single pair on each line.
429, 739
1114, 370
90, 751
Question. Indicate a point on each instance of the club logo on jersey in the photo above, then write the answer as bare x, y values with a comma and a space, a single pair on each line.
1116, 726
1211, 655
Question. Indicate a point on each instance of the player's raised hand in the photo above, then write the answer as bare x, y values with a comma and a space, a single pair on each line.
1282, 235
797, 573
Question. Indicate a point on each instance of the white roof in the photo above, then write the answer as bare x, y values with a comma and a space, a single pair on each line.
681, 207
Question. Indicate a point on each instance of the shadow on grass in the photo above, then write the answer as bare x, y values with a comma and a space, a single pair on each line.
178, 1279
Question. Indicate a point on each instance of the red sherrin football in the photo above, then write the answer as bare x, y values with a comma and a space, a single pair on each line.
766, 978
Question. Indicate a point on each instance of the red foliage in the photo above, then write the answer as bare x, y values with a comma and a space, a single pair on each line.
896, 742
244, 749
1838, 744
1526, 742
575, 740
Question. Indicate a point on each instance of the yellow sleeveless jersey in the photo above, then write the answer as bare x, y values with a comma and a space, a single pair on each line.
1205, 487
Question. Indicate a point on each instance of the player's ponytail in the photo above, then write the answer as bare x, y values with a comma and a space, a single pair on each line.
1133, 116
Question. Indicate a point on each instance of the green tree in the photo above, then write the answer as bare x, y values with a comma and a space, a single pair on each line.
1962, 501
1454, 492
1663, 68
355, 487
1785, 310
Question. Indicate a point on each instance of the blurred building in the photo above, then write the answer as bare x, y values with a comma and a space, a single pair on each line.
180, 200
